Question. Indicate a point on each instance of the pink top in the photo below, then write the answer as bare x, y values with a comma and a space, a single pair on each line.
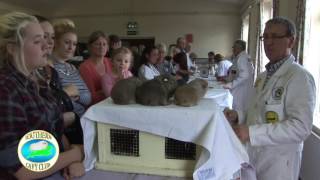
109, 80
92, 78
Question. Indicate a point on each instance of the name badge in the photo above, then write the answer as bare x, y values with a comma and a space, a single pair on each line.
272, 117
277, 93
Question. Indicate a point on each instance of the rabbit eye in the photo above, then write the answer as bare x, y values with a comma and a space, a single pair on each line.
165, 79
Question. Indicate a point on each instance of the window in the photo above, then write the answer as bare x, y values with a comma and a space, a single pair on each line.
266, 14
245, 28
311, 49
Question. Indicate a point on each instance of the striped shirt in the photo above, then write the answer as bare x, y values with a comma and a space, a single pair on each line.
69, 75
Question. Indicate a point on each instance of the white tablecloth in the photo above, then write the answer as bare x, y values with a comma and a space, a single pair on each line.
203, 125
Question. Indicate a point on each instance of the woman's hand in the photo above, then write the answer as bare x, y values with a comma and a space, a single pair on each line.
72, 91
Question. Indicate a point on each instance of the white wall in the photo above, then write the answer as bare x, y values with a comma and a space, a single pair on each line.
214, 25
210, 32
5, 8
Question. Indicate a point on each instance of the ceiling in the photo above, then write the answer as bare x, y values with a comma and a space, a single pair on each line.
52, 8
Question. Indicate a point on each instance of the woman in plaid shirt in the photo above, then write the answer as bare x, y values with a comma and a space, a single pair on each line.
24, 105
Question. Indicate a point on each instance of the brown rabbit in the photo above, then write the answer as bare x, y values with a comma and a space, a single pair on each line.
123, 92
191, 93
156, 92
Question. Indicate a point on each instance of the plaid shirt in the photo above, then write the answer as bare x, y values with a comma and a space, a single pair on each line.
23, 108
272, 68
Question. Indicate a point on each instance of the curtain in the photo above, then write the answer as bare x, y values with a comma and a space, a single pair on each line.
300, 18
276, 6
259, 47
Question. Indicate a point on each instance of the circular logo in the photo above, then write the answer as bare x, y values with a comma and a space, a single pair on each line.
38, 150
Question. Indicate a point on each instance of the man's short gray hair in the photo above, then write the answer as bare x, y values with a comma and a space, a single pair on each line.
291, 28
241, 44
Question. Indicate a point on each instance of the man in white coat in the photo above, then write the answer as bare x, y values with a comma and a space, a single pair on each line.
241, 74
280, 114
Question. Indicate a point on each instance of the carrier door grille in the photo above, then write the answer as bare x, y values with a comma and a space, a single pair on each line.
124, 142
175, 149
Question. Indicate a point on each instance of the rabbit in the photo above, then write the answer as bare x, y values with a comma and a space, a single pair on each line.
123, 92
156, 92
190, 94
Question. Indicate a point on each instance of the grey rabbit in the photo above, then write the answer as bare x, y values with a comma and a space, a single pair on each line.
156, 92
190, 94
123, 92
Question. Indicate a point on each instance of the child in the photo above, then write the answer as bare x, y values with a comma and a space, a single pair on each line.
121, 62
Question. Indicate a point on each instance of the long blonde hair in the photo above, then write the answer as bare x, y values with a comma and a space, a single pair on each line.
12, 26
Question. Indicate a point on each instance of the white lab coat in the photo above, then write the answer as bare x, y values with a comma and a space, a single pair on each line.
148, 72
275, 148
242, 85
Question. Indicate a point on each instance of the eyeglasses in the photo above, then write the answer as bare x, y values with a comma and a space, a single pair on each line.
273, 37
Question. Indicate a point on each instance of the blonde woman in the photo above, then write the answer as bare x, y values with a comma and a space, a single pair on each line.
64, 48
25, 106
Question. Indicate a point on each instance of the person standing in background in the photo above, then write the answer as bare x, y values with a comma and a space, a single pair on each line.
241, 71
185, 48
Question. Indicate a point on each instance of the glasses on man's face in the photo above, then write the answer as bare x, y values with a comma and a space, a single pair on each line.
272, 37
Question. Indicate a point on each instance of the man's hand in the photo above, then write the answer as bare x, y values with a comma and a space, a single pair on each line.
227, 86
242, 131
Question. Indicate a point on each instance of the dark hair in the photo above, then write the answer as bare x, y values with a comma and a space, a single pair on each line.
113, 39
181, 59
291, 28
147, 51
96, 35
211, 53
41, 18
241, 44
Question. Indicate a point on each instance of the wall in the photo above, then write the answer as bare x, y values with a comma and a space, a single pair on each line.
214, 25
5, 8
210, 32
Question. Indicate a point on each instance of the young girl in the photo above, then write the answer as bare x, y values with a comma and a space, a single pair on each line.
121, 62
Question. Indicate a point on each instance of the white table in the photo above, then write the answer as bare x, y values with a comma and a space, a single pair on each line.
203, 125
221, 96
